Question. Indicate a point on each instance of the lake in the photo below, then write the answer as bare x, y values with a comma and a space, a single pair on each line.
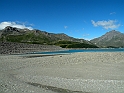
83, 50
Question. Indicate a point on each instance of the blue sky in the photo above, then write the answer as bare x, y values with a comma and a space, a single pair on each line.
77, 18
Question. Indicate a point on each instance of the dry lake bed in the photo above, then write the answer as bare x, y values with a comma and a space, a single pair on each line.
86, 72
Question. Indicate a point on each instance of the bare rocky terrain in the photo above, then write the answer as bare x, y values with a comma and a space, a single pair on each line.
110, 39
22, 48
71, 73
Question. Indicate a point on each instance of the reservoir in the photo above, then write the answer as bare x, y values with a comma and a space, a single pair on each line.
83, 50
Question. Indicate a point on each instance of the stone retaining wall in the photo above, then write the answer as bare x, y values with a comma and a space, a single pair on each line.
20, 48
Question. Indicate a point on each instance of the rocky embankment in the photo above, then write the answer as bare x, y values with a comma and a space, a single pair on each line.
19, 48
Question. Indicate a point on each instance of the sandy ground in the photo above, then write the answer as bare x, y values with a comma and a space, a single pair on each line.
71, 73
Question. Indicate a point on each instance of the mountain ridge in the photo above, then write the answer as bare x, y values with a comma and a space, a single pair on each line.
13, 34
110, 39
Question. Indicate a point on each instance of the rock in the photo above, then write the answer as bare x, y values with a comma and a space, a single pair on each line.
9, 28
19, 48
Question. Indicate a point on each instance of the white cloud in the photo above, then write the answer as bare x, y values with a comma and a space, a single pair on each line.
112, 13
14, 24
65, 27
87, 39
82, 28
85, 35
110, 24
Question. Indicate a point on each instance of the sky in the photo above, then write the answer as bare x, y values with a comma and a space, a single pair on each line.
85, 19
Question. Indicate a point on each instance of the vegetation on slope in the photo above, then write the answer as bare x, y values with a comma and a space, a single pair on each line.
71, 44
11, 34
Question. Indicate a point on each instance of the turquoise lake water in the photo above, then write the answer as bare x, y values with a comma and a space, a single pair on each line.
83, 50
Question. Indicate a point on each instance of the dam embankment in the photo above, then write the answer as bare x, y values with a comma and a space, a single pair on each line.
21, 48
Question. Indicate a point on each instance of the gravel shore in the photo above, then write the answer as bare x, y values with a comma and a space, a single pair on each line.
96, 72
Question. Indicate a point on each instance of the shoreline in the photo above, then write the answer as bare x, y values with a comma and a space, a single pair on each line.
85, 72
23, 48
12, 48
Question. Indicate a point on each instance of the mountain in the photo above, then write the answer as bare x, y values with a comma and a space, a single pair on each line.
110, 39
12, 34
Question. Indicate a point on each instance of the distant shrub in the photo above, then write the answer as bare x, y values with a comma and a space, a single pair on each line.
71, 44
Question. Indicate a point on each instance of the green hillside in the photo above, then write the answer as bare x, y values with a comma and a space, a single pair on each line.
10, 34
70, 44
